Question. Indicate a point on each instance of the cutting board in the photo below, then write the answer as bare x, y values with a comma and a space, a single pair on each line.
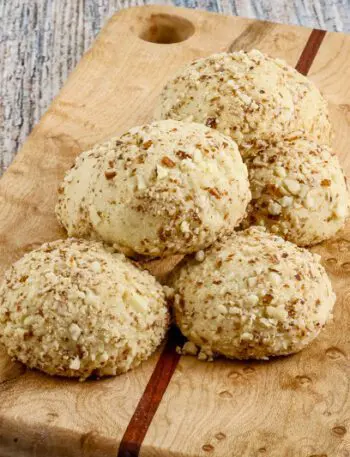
297, 406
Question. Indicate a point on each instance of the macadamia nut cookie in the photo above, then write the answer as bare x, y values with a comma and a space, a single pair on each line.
73, 308
253, 296
162, 189
299, 191
248, 96
71, 208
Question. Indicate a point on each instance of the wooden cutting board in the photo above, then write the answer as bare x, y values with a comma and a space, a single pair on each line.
297, 406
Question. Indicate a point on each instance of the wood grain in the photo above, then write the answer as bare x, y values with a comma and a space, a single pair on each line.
297, 406
41, 42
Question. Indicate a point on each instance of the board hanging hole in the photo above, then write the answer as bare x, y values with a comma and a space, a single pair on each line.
166, 29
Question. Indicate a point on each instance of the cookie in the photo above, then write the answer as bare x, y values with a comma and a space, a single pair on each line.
71, 208
73, 308
299, 191
248, 96
254, 295
162, 189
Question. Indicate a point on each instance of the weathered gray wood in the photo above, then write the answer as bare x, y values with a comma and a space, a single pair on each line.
42, 40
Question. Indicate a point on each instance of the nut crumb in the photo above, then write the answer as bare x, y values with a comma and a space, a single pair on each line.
167, 162
110, 174
147, 144
200, 256
189, 348
211, 122
214, 192
326, 182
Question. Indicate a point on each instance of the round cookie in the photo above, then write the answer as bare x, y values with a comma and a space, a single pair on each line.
73, 308
253, 296
248, 96
165, 188
299, 191
71, 206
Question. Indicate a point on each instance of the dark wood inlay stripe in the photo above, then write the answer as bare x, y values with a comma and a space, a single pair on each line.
152, 396
136, 431
311, 49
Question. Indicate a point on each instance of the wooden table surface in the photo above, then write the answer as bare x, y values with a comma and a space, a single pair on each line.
41, 41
